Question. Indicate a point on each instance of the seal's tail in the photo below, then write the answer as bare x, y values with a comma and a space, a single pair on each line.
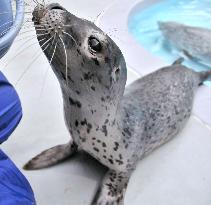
51, 156
205, 75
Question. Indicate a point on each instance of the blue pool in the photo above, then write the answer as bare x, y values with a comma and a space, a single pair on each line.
143, 26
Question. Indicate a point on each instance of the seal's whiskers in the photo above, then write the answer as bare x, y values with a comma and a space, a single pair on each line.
36, 57
31, 30
65, 51
25, 37
47, 69
70, 37
13, 58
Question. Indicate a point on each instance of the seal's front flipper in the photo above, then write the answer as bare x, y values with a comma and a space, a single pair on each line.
112, 189
51, 156
179, 61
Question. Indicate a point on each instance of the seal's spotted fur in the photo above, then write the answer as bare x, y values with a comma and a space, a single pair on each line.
116, 126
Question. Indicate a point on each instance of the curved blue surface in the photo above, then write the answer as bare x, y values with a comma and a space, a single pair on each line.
14, 188
10, 109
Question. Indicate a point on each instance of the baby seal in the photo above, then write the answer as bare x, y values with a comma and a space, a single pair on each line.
194, 42
117, 126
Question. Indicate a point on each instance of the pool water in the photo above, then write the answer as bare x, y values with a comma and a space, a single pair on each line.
143, 26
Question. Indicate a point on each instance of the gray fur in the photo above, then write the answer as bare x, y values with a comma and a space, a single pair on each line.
117, 126
195, 42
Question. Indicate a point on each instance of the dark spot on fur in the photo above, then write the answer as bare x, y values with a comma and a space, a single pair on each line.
119, 162
96, 61
104, 130
111, 179
111, 161
88, 76
84, 122
83, 139
127, 131
99, 79
76, 123
107, 59
78, 92
74, 102
168, 119
96, 149
108, 97
78, 51
70, 79
111, 80
93, 88
104, 144
116, 146
89, 127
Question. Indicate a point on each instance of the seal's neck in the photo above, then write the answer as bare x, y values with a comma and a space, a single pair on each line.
96, 113
99, 104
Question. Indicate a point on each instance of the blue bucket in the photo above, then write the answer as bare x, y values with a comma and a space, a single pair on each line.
9, 25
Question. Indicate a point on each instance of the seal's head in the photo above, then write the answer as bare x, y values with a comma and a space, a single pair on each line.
170, 27
82, 56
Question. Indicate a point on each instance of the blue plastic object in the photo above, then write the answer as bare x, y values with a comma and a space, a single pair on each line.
14, 188
9, 27
10, 109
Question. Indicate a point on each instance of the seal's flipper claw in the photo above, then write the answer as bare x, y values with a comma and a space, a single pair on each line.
179, 61
112, 189
51, 156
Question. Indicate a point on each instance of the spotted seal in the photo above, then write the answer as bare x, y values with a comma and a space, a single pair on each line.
117, 126
194, 42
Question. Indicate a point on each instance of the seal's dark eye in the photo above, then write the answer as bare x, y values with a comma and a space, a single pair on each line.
95, 44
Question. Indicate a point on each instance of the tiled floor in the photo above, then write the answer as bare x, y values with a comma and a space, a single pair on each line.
177, 173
